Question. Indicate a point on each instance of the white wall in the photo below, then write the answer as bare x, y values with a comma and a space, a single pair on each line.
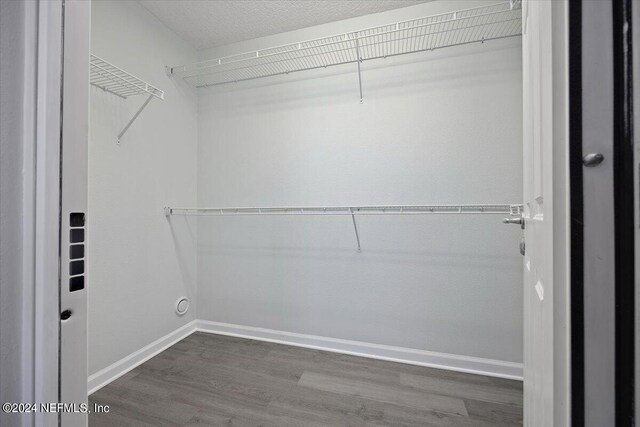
139, 264
440, 127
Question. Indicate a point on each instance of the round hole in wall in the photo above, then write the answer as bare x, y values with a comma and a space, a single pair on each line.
182, 306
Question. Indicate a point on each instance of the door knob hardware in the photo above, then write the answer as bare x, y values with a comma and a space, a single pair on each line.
65, 315
515, 220
592, 159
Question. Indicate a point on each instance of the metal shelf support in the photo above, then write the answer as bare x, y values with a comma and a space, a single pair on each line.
359, 60
116, 81
133, 119
355, 227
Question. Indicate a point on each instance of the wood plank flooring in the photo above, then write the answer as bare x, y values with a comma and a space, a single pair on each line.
215, 380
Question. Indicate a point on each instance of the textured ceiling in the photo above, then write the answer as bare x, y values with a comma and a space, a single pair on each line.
213, 23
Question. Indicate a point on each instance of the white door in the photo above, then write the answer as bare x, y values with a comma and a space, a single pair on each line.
538, 209
73, 210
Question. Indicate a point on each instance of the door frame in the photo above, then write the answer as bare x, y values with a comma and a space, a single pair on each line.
44, 103
603, 213
592, 210
624, 202
42, 211
33, 68
73, 218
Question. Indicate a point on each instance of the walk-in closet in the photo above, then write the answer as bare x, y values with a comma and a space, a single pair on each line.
306, 213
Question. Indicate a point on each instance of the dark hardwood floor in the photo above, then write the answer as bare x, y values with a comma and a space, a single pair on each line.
215, 380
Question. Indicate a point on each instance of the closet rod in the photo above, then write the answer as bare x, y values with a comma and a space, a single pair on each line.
512, 210
499, 209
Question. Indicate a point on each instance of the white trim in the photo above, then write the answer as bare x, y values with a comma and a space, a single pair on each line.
31, 123
452, 362
45, 309
124, 365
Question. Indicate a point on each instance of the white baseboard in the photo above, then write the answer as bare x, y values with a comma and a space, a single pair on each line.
452, 362
124, 365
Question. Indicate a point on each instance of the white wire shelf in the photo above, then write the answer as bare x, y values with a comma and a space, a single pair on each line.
456, 28
513, 210
110, 78
116, 81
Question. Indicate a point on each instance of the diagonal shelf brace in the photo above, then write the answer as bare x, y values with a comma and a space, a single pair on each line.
133, 119
359, 60
355, 227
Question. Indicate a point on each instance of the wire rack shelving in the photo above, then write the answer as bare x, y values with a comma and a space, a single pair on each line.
429, 33
116, 81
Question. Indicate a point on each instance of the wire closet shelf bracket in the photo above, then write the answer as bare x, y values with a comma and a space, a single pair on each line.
475, 25
116, 81
511, 210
